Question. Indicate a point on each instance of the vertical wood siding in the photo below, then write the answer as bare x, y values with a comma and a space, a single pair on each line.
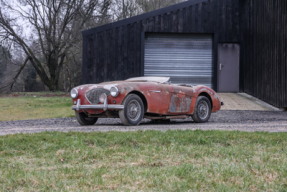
263, 45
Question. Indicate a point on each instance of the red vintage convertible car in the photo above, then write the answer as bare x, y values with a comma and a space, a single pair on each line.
150, 97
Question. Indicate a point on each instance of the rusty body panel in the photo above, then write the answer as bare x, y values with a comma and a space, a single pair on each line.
161, 98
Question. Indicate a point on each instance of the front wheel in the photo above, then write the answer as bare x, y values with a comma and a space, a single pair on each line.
133, 111
83, 119
202, 110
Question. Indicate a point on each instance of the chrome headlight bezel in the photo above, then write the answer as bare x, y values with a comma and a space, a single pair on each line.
74, 93
114, 91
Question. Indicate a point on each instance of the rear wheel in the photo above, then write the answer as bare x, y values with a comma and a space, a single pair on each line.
133, 111
202, 110
83, 119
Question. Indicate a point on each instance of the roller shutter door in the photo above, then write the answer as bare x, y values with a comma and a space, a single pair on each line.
186, 58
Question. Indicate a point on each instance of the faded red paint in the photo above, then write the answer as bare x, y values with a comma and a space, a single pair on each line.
162, 99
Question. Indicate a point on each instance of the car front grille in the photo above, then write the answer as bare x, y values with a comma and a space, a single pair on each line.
94, 94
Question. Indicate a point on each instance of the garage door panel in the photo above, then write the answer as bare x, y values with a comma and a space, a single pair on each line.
185, 58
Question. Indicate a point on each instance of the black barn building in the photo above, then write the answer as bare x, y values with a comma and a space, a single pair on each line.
229, 45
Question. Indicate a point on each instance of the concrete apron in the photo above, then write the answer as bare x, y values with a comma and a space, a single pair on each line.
243, 101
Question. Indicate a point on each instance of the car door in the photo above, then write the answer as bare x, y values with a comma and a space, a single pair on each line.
180, 100
157, 96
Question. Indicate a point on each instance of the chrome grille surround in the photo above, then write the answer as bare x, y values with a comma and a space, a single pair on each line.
93, 95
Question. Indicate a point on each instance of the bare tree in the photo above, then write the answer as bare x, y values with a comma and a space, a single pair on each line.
56, 26
5, 58
150, 5
123, 9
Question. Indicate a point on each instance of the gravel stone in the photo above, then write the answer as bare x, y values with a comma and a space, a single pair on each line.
271, 121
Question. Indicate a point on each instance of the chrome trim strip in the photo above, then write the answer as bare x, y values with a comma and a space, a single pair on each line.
104, 106
154, 91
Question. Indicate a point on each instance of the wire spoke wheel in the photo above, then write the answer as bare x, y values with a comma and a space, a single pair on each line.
202, 110
133, 111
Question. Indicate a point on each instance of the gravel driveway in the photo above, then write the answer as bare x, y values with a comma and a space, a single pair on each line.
272, 121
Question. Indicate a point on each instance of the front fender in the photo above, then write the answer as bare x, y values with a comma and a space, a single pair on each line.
210, 93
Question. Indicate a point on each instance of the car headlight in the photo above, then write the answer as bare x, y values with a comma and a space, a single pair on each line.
74, 93
114, 91
102, 97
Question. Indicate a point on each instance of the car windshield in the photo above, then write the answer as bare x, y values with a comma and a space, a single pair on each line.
150, 79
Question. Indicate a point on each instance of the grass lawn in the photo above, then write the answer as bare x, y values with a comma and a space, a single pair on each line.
22, 106
144, 161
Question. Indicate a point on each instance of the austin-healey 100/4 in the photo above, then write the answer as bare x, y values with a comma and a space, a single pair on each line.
143, 97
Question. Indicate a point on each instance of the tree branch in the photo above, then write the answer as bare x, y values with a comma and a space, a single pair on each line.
18, 73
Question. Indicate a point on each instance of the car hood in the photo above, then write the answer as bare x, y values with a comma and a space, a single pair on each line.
105, 85
131, 85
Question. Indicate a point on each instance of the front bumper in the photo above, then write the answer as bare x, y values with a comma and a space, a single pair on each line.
104, 106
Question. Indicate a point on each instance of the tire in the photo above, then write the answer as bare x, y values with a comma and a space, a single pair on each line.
133, 112
83, 119
202, 110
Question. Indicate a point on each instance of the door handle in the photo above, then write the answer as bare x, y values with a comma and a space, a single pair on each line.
220, 66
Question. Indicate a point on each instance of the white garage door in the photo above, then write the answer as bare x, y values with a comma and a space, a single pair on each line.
186, 58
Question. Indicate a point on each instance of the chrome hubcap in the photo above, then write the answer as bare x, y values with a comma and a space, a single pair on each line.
203, 109
134, 110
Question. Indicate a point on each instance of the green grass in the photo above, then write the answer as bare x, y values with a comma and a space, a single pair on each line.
33, 106
144, 161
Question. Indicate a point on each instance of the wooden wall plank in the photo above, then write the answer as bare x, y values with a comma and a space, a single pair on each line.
199, 18
184, 20
173, 21
222, 20
137, 69
120, 53
180, 20
228, 20
89, 58
125, 52
157, 25
193, 19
